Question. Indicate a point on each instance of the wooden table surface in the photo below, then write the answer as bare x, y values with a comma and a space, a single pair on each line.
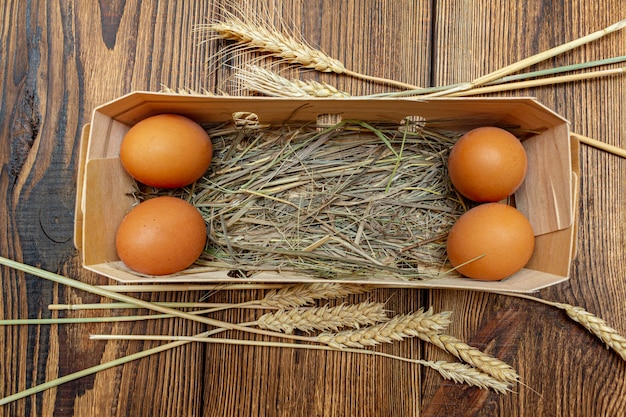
61, 59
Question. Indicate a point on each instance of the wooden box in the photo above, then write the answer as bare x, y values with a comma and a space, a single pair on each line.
548, 196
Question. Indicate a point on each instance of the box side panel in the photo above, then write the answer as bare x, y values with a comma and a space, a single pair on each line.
106, 202
546, 194
80, 186
554, 251
105, 137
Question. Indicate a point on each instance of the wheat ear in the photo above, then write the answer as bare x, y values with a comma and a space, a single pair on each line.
324, 318
465, 374
305, 294
591, 322
597, 326
475, 357
263, 37
397, 328
264, 81
457, 372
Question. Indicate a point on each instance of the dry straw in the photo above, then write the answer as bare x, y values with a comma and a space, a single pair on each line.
599, 145
139, 303
265, 81
122, 298
325, 292
347, 201
540, 82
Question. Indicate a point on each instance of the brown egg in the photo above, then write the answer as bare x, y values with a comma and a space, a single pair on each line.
487, 164
500, 236
162, 235
166, 151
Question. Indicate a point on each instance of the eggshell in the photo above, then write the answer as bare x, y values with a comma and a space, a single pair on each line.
166, 151
487, 164
491, 241
162, 235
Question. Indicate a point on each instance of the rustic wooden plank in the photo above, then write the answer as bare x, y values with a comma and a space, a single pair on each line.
562, 367
61, 60
269, 381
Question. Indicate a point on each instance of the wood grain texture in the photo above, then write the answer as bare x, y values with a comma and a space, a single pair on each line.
59, 60
563, 376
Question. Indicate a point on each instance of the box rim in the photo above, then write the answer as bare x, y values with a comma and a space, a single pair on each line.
304, 100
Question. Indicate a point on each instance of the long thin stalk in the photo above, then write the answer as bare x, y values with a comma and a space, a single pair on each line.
94, 369
73, 320
175, 304
507, 79
539, 82
559, 70
113, 319
240, 342
139, 303
379, 80
532, 60
599, 145
476, 377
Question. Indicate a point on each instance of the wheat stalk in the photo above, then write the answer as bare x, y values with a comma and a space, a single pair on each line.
261, 80
615, 150
457, 372
397, 328
324, 318
139, 303
264, 37
111, 306
539, 82
534, 59
475, 357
